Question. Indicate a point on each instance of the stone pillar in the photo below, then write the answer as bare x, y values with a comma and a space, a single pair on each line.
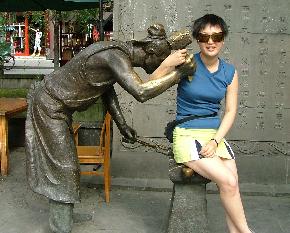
188, 211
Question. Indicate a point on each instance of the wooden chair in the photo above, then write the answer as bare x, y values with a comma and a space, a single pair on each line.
97, 155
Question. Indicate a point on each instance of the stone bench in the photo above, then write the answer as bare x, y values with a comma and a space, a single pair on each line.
188, 211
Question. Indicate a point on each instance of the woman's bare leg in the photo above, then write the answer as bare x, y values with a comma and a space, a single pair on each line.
232, 228
216, 170
231, 164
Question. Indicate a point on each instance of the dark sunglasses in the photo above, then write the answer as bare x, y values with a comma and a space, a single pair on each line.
204, 38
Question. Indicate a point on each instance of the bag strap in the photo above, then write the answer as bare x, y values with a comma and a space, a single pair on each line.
192, 117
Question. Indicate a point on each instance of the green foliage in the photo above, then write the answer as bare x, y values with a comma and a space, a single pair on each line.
95, 112
80, 17
4, 46
37, 18
86, 16
2, 38
13, 92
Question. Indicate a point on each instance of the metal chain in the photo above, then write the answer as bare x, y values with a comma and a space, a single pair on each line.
155, 145
159, 148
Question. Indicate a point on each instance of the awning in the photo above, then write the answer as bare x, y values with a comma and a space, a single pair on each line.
41, 5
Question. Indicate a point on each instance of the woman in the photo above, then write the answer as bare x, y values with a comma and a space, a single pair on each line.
200, 143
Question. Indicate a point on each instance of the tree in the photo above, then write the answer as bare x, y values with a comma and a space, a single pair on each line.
2, 40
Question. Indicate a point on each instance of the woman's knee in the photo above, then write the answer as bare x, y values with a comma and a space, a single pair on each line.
229, 184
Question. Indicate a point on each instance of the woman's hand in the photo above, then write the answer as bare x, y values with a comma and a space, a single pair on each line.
208, 150
188, 67
175, 59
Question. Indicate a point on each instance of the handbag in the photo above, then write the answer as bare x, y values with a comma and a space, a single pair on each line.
172, 124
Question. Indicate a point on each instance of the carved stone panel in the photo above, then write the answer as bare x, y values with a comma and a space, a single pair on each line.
258, 46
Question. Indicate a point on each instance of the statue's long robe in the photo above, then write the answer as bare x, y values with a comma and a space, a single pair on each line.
52, 164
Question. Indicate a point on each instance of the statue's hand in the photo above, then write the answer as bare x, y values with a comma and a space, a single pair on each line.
188, 67
129, 134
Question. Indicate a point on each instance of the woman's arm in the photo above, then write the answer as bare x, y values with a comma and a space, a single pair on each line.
124, 74
231, 104
169, 64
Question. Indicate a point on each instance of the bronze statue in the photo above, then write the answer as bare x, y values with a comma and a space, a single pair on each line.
52, 163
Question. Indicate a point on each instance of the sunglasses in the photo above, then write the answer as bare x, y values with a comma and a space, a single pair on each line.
204, 38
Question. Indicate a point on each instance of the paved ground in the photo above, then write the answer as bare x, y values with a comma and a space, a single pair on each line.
137, 205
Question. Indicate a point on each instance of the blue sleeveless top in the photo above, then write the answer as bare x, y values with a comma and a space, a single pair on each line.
202, 93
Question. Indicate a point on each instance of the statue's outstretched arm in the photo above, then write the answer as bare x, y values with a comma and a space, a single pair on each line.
132, 83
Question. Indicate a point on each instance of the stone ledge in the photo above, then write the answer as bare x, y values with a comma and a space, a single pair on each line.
247, 189
251, 189
21, 76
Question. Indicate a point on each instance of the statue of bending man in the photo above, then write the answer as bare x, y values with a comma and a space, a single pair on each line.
52, 164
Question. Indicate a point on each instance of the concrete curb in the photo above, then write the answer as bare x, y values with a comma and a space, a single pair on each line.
165, 185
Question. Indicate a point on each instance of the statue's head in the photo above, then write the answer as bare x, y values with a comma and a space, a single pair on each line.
157, 46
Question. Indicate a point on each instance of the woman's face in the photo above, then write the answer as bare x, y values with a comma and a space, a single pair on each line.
212, 47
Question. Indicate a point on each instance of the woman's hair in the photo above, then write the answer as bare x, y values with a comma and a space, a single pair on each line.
214, 20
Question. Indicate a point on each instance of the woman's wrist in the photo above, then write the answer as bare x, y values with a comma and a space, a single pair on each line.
213, 139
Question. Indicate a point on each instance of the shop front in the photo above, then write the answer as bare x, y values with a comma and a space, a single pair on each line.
32, 36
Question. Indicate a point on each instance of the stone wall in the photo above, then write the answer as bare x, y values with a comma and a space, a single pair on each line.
258, 45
